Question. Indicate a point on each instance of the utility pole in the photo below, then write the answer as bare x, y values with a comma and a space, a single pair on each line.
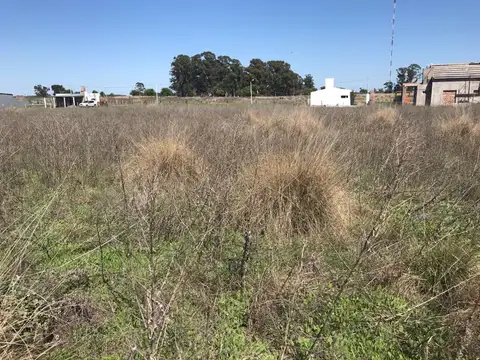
251, 87
367, 95
251, 92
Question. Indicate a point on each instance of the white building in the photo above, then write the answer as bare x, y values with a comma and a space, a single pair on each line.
329, 95
69, 100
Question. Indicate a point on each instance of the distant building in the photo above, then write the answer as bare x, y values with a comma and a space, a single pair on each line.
67, 100
329, 95
7, 100
445, 84
72, 100
452, 84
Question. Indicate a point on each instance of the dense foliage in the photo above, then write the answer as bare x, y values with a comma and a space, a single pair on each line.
206, 74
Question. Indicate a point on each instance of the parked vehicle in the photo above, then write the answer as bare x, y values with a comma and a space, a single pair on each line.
89, 103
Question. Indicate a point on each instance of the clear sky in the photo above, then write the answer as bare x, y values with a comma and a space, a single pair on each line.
111, 44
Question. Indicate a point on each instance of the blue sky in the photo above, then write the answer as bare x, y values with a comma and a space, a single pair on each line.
111, 44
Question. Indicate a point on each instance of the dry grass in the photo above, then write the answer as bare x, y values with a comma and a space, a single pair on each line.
163, 160
299, 120
384, 115
461, 126
293, 193
247, 225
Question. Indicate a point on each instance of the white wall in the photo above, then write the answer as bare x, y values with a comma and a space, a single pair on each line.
91, 96
330, 97
329, 83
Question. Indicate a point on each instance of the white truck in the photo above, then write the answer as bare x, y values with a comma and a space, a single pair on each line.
88, 103
90, 100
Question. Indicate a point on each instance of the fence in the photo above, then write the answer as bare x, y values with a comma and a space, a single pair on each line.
360, 99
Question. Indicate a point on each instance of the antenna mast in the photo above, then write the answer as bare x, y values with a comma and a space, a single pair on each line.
393, 37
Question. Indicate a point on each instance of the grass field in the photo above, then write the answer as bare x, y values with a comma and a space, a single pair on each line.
240, 233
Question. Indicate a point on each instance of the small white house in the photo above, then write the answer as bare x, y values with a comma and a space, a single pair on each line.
329, 95
69, 100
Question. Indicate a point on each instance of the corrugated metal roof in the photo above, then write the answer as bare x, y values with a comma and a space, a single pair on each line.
7, 100
453, 71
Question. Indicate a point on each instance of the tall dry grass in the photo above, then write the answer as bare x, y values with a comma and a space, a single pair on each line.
208, 232
294, 193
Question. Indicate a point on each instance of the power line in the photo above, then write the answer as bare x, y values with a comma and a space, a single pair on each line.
356, 81
393, 37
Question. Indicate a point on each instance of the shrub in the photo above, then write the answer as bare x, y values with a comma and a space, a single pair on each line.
166, 159
376, 325
293, 193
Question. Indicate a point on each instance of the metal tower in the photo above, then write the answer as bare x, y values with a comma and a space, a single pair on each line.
393, 37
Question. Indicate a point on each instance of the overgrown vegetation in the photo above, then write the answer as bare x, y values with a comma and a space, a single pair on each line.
240, 233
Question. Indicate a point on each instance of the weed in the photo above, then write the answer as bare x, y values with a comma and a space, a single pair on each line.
233, 232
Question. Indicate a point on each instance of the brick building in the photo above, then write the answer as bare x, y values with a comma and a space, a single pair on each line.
445, 84
451, 84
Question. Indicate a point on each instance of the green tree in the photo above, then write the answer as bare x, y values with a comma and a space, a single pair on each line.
94, 92
308, 82
58, 89
282, 81
409, 74
139, 89
166, 92
230, 76
363, 91
257, 73
205, 74
149, 92
102, 94
388, 87
298, 85
41, 90
182, 76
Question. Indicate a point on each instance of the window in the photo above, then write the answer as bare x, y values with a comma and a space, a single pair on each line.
449, 97
344, 96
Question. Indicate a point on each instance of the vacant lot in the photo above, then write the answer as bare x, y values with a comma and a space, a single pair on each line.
223, 233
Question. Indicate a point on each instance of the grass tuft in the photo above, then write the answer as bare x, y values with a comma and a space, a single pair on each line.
162, 160
385, 115
293, 193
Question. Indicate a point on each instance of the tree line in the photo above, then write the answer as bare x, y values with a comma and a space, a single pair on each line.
408, 74
43, 91
139, 90
405, 75
206, 74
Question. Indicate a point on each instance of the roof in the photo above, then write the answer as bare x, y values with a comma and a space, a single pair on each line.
7, 100
68, 95
452, 71
333, 89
